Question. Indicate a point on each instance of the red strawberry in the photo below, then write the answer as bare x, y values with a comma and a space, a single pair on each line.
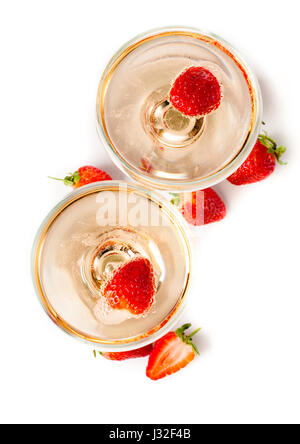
171, 353
261, 162
201, 207
84, 176
196, 92
122, 356
132, 287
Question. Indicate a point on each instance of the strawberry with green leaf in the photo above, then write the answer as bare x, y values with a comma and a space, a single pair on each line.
172, 353
84, 176
261, 162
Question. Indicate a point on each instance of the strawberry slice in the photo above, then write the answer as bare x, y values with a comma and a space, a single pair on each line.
196, 92
122, 356
171, 353
132, 287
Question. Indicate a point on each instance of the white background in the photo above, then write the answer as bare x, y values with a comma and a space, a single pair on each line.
247, 301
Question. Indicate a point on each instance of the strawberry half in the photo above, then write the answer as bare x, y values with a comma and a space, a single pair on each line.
122, 356
261, 162
200, 207
84, 176
171, 353
132, 287
196, 92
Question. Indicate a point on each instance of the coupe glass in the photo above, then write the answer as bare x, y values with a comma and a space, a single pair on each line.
86, 237
152, 142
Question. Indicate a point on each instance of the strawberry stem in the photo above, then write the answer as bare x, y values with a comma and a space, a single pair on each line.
176, 199
70, 180
55, 178
272, 146
180, 331
95, 353
195, 332
188, 339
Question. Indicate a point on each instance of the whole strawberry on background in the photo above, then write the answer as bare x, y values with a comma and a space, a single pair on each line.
261, 162
200, 207
84, 176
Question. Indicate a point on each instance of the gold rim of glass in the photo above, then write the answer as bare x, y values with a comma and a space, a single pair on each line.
127, 343
180, 185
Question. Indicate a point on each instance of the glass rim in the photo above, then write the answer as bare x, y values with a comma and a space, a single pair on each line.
181, 185
128, 343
